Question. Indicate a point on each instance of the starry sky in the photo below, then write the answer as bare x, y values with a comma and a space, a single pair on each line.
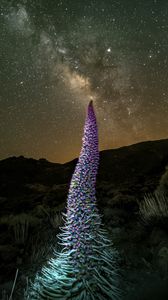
55, 56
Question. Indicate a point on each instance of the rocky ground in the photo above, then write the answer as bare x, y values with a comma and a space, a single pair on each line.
33, 194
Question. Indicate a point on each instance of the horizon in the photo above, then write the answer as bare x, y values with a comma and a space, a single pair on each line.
75, 158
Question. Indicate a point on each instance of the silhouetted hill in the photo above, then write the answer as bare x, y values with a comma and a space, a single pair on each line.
140, 158
130, 162
124, 166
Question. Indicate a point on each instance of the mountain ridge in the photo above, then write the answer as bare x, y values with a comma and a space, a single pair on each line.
115, 164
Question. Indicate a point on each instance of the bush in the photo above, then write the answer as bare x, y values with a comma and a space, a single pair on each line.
20, 225
154, 207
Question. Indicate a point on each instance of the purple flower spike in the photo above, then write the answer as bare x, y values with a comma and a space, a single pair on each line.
86, 267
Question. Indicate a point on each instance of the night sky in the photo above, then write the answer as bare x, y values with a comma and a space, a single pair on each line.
57, 55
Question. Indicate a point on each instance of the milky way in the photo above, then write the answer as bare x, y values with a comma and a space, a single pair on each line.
55, 56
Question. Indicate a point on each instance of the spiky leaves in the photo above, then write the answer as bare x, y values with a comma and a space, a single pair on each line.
86, 267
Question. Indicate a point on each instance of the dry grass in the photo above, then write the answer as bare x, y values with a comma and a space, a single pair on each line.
154, 206
20, 225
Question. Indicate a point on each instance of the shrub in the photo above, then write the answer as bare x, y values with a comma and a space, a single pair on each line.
20, 225
154, 207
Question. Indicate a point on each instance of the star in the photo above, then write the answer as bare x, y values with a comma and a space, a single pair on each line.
109, 50
58, 56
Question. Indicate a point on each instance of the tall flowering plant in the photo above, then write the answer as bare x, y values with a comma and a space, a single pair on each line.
86, 268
